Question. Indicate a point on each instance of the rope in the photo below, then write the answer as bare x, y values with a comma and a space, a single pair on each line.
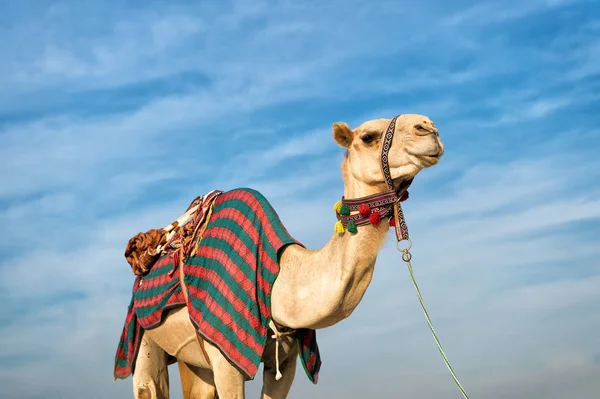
277, 335
406, 257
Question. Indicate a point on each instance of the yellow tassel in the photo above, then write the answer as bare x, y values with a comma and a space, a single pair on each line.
337, 206
339, 227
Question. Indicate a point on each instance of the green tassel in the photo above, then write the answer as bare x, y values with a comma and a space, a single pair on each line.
344, 210
352, 227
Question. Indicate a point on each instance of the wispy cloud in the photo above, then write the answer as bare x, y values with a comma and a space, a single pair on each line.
486, 14
110, 128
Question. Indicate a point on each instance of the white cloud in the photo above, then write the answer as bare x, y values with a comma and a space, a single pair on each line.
468, 288
486, 14
503, 229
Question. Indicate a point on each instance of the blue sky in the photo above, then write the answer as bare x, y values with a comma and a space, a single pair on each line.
113, 118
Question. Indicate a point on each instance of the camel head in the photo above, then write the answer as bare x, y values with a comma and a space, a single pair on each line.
416, 145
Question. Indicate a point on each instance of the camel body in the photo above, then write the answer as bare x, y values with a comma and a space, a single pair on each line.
314, 289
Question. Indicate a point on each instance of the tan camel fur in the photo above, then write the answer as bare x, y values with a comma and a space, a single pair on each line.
314, 289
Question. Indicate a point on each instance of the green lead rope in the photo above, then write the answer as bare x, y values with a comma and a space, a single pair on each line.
406, 256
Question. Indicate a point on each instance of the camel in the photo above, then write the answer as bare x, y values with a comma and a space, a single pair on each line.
314, 289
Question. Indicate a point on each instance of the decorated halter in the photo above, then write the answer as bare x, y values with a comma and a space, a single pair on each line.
352, 213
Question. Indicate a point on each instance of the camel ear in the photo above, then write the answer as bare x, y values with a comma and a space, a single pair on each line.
342, 134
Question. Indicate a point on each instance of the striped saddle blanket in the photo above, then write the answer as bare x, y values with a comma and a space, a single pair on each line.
229, 279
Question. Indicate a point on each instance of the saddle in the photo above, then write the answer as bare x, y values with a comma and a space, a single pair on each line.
183, 235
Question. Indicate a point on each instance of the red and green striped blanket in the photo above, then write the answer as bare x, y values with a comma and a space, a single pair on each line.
229, 281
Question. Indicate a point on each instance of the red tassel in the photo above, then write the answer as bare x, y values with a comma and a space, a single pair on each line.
375, 218
364, 210
404, 196
393, 222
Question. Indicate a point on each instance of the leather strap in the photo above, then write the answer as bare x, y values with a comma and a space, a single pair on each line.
386, 145
185, 295
201, 226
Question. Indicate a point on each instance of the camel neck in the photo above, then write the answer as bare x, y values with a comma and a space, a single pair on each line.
317, 289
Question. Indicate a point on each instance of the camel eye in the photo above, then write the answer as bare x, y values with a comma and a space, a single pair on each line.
368, 138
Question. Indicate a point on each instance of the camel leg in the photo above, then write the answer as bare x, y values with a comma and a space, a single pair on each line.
273, 389
150, 376
228, 380
288, 355
196, 382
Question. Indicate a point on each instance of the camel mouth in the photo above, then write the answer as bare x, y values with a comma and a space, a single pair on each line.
429, 159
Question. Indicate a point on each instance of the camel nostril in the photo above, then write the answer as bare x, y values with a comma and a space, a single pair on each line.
424, 130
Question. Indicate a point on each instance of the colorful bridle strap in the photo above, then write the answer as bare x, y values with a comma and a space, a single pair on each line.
378, 203
386, 144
